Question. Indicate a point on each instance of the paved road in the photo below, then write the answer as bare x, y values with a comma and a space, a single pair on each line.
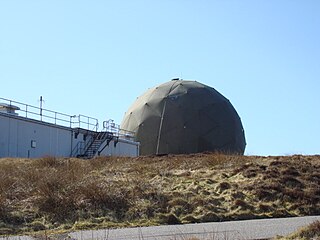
240, 230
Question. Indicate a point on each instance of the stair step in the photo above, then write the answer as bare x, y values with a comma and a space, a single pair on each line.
96, 143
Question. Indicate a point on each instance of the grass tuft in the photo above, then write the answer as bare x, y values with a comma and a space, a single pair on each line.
312, 231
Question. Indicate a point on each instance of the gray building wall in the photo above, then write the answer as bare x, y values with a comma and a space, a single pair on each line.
122, 148
24, 137
28, 138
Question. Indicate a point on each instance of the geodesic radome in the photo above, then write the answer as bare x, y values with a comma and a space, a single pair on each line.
179, 117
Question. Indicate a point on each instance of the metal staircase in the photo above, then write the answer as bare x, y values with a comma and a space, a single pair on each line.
92, 148
96, 142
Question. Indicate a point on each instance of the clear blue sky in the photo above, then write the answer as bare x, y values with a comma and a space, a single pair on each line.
95, 58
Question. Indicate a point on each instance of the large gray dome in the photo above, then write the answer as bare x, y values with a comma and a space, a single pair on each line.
184, 117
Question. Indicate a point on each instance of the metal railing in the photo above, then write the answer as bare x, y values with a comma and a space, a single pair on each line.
78, 150
115, 129
87, 123
49, 116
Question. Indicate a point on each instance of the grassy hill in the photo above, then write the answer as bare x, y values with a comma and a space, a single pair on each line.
62, 194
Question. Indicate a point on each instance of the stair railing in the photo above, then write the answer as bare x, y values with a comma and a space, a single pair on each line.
78, 150
100, 136
109, 137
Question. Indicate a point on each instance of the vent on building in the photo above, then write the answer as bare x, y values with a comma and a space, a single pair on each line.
8, 108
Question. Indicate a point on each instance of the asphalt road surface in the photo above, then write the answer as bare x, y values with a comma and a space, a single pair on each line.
240, 230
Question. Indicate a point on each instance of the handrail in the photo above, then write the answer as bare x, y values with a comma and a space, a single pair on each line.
115, 129
88, 144
78, 149
101, 136
82, 147
89, 122
54, 117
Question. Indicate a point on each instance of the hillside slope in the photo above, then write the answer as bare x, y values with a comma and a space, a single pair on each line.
67, 194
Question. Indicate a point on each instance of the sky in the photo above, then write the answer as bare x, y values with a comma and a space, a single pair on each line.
96, 57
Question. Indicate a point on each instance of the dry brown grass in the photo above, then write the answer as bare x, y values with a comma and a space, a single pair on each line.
58, 194
310, 232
